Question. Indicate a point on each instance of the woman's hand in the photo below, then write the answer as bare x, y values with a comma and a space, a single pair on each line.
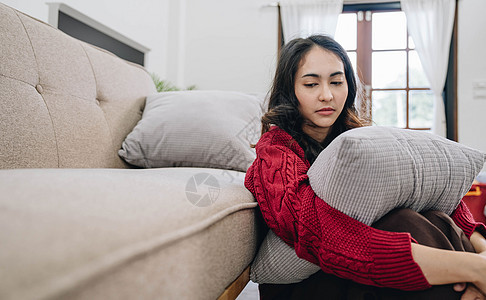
471, 293
479, 243
446, 267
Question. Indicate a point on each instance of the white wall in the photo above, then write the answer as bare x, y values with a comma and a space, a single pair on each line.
142, 21
471, 68
232, 45
213, 44
223, 44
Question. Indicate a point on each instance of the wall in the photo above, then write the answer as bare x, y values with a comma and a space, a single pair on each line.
213, 44
231, 45
142, 21
223, 44
471, 68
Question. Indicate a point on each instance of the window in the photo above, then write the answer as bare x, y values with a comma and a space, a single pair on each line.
384, 57
82, 27
401, 97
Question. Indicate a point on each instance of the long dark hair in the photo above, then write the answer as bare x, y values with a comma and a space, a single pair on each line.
283, 106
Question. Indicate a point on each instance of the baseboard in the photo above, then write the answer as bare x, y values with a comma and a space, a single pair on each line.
235, 288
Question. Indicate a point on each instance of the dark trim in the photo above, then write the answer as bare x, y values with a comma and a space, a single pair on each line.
280, 41
372, 6
450, 87
88, 34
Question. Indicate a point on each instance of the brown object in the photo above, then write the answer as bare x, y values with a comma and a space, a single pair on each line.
236, 286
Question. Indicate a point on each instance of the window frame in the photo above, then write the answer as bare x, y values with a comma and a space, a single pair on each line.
364, 53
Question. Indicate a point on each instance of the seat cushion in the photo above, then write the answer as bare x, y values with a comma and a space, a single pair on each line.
123, 234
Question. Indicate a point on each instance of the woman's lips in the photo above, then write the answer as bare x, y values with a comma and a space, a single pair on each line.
326, 111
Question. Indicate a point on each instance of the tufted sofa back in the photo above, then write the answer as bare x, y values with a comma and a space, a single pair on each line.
63, 103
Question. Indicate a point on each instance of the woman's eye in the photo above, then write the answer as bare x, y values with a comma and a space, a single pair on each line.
336, 82
310, 84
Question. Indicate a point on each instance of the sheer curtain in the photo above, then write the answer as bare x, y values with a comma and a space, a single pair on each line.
430, 23
305, 17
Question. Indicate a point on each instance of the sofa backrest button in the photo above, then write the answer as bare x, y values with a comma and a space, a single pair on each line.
39, 88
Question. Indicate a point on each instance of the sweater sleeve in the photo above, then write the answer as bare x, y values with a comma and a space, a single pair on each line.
320, 234
464, 219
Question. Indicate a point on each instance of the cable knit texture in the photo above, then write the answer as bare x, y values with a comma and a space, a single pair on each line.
339, 244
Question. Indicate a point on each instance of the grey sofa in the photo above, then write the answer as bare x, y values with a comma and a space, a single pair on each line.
76, 221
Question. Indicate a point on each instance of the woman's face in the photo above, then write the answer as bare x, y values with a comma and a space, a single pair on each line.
322, 89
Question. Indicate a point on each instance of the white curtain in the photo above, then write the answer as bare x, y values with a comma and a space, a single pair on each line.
302, 18
430, 23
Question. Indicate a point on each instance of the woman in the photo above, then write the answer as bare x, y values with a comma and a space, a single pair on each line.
312, 102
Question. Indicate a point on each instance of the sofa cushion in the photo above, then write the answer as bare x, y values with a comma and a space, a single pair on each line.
123, 234
195, 129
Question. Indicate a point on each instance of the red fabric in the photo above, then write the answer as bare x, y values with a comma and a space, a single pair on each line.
321, 234
465, 220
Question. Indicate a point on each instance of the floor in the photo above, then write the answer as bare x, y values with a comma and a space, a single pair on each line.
250, 292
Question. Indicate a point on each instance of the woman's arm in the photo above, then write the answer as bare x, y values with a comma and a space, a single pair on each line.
444, 266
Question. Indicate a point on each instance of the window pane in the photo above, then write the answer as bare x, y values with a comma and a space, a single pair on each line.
416, 71
389, 69
389, 108
421, 109
411, 44
389, 31
347, 31
352, 58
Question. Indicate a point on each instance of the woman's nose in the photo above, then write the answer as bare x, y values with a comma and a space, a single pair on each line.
325, 93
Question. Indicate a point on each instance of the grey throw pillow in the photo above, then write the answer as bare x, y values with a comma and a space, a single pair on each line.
211, 129
276, 262
365, 173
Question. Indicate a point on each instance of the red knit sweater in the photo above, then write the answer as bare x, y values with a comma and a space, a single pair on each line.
321, 234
